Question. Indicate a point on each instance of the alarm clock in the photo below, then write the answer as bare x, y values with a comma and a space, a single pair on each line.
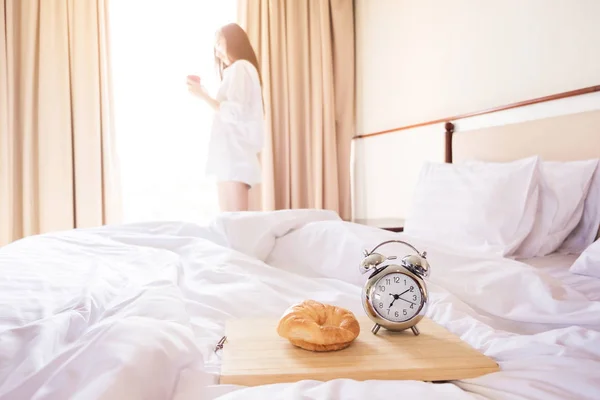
395, 296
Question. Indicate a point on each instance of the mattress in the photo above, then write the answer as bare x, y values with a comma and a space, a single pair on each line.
557, 266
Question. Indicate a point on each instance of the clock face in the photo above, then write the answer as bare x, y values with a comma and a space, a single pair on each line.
396, 297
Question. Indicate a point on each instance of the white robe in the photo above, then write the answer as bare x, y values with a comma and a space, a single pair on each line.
237, 134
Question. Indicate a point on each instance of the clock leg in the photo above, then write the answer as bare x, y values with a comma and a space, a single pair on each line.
375, 329
415, 330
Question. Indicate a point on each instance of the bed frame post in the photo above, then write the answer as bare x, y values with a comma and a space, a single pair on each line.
448, 141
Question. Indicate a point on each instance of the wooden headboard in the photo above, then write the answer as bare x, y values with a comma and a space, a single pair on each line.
562, 138
561, 127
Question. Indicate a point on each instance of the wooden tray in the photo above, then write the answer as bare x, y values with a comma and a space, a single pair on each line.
254, 354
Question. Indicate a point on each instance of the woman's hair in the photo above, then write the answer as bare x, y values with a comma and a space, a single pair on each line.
238, 48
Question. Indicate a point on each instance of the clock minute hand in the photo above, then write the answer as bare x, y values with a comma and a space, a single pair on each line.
396, 297
407, 301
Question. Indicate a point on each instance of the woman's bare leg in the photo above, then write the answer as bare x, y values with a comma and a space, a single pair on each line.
233, 196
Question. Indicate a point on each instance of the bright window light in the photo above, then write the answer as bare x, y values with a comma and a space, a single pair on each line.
162, 132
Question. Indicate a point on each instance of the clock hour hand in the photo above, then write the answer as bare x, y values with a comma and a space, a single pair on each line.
396, 297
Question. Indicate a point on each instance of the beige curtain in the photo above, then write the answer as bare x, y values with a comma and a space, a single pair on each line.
306, 54
57, 160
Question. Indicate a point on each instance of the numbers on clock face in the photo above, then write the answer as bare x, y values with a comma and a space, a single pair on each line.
397, 297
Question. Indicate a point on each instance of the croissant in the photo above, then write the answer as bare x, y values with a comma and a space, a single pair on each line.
314, 326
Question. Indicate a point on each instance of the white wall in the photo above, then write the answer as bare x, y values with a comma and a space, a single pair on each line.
429, 59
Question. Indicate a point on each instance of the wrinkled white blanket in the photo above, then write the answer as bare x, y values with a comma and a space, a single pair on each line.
135, 311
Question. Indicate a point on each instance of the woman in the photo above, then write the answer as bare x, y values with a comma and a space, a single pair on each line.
238, 127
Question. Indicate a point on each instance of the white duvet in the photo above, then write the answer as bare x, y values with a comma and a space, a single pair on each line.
135, 311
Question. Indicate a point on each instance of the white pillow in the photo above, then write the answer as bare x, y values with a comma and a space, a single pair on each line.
588, 263
563, 190
587, 229
487, 207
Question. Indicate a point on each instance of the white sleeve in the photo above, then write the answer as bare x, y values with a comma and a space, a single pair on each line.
236, 105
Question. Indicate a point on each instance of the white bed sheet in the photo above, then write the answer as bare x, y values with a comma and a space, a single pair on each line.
134, 312
557, 265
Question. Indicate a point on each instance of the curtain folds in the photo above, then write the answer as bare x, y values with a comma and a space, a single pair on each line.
58, 168
306, 54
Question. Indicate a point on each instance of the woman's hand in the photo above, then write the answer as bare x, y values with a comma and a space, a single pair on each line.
194, 86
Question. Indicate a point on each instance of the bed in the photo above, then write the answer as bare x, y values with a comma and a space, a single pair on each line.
135, 311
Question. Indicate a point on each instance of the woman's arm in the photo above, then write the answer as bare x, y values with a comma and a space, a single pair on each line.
214, 103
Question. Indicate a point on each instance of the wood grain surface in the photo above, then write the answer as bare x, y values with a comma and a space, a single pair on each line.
254, 354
